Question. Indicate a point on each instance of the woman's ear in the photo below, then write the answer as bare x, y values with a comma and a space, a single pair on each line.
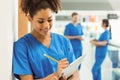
29, 18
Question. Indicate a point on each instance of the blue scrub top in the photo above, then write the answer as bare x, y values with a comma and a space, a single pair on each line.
102, 50
28, 57
72, 30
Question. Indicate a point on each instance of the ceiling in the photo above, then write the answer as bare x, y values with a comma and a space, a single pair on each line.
91, 5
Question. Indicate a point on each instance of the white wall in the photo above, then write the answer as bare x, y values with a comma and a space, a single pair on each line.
115, 26
6, 38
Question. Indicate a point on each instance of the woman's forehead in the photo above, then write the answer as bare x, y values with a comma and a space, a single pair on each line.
44, 14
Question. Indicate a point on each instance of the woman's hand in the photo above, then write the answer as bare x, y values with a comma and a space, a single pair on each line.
75, 76
63, 77
51, 77
62, 64
92, 41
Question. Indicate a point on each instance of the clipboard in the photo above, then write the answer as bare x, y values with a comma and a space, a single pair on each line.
68, 71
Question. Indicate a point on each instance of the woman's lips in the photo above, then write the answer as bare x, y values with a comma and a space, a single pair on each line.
45, 31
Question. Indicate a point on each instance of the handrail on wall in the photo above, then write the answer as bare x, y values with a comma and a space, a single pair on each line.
114, 44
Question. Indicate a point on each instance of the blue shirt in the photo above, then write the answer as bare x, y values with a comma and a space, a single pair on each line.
102, 50
28, 57
72, 30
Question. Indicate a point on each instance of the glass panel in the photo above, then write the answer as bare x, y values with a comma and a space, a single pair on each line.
114, 55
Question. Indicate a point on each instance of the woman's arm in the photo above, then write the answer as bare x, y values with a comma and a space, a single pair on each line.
30, 77
26, 77
99, 43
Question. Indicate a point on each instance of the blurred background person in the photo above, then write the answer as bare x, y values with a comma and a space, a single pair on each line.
101, 50
73, 31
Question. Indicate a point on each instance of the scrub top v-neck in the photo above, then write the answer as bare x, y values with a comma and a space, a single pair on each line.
29, 59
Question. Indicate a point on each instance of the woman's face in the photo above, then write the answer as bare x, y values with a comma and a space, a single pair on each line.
42, 22
103, 25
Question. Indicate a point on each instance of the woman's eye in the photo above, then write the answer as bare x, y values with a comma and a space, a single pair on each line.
40, 22
50, 20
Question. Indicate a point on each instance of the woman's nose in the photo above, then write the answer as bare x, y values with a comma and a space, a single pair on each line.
46, 24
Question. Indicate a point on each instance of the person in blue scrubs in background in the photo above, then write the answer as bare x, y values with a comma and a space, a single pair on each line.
74, 32
101, 50
29, 62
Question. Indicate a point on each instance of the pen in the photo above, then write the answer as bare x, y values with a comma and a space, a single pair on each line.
49, 57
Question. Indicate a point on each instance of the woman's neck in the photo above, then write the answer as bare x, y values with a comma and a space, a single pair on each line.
40, 37
105, 28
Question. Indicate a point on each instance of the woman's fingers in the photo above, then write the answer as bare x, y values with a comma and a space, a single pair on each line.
75, 76
63, 63
55, 78
63, 77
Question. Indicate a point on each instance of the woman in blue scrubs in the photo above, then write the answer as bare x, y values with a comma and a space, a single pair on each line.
74, 32
101, 50
29, 62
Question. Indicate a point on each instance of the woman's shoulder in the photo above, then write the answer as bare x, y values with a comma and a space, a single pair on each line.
107, 32
59, 37
23, 39
61, 40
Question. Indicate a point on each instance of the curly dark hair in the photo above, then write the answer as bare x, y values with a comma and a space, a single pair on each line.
32, 6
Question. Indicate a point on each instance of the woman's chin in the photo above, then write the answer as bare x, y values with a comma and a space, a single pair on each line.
44, 34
